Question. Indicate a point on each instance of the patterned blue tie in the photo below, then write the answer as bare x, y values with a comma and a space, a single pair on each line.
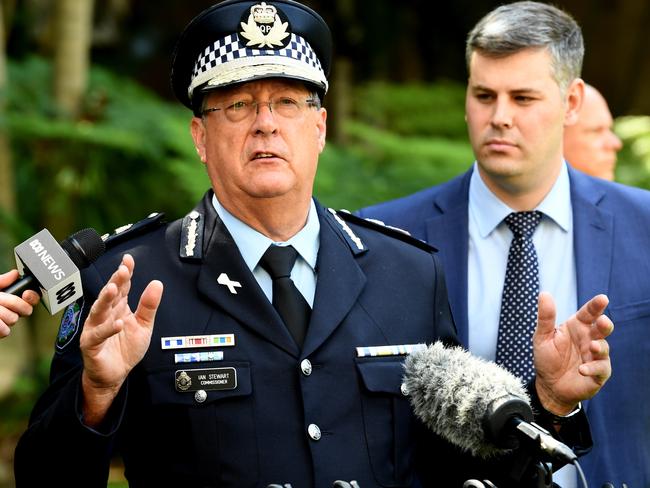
518, 316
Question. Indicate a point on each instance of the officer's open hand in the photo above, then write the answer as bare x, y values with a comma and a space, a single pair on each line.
115, 339
13, 307
571, 361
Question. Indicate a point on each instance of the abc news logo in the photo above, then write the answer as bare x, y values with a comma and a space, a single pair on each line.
65, 293
57, 272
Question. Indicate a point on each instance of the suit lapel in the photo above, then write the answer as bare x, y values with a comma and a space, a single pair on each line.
248, 305
593, 237
448, 231
340, 281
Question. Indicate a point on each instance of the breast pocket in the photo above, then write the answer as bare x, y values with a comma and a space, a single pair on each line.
388, 421
629, 350
630, 311
211, 429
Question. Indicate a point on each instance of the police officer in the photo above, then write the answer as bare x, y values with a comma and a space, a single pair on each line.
277, 350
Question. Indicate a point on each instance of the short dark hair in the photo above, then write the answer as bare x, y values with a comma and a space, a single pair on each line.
522, 25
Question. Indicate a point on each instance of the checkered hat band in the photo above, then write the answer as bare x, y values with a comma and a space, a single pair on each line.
217, 62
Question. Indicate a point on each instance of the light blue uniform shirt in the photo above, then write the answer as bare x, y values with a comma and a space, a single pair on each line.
252, 245
489, 243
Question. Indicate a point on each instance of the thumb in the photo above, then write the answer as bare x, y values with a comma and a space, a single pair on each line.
8, 278
546, 314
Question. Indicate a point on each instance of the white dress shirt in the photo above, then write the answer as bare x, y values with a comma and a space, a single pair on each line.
252, 245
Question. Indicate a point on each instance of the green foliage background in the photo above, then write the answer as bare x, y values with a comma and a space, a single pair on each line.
633, 166
131, 154
401, 138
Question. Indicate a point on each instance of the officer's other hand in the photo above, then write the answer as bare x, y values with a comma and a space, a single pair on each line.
13, 307
115, 339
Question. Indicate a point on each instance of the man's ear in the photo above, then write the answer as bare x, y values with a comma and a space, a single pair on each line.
197, 128
575, 95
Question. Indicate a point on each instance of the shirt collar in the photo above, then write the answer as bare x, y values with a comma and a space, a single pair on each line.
252, 244
489, 211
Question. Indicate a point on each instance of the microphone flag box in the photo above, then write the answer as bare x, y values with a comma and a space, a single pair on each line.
58, 278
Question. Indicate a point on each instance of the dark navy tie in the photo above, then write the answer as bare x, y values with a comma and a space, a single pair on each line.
287, 299
518, 316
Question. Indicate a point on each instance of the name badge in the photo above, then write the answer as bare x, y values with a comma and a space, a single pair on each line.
210, 379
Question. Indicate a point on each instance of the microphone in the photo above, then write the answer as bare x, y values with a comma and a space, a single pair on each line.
475, 404
53, 269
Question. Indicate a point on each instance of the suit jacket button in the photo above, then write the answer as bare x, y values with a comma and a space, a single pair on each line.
314, 431
200, 396
305, 366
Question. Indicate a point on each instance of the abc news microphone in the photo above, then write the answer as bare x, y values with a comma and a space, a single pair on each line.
475, 404
53, 269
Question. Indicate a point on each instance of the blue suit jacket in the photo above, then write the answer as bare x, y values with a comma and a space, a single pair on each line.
611, 245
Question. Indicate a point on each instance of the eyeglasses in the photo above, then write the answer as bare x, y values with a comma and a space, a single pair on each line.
285, 107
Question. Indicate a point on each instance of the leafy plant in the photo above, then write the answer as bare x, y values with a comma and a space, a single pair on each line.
119, 162
403, 138
633, 166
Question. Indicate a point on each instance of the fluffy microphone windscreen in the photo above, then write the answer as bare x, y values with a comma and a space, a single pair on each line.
451, 390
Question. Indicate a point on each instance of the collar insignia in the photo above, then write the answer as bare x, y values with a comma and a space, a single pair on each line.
264, 27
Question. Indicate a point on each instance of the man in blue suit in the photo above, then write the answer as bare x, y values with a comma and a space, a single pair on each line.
242, 374
524, 63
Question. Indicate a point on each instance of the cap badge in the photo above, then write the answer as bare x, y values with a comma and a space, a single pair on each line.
264, 27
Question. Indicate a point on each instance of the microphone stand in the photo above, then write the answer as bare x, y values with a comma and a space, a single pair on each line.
526, 470
542, 478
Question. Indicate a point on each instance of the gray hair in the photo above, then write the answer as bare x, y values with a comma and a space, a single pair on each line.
521, 25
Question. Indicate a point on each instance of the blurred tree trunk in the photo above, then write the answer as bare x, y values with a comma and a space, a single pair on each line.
71, 51
342, 72
72, 42
616, 44
72, 54
7, 196
14, 353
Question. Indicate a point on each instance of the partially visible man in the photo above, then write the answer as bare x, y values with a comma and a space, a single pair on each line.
524, 61
590, 144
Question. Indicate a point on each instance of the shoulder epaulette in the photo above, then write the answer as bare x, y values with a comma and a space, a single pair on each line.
129, 231
191, 247
388, 230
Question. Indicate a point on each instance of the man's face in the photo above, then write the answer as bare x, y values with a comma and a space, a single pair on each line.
265, 155
589, 144
516, 114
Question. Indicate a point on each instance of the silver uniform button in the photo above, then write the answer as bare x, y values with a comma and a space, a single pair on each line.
314, 431
305, 366
200, 396
404, 389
